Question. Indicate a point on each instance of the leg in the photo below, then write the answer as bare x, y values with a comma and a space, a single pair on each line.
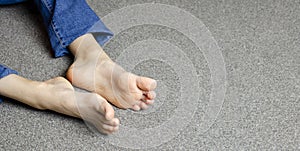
58, 95
69, 19
66, 22
95, 71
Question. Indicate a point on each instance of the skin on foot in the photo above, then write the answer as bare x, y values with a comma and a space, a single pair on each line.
58, 95
90, 107
93, 70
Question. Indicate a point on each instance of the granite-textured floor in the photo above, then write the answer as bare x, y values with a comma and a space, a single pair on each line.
260, 45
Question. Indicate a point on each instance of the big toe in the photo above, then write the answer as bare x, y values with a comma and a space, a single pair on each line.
106, 109
146, 84
109, 112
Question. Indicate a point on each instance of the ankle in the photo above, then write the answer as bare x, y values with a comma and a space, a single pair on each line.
39, 96
87, 48
58, 98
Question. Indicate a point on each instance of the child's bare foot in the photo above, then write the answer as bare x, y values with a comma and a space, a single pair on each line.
93, 70
58, 95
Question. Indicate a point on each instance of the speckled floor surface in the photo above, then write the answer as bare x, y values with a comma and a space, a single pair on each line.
258, 40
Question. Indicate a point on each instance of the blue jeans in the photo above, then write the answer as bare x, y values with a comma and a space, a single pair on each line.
65, 20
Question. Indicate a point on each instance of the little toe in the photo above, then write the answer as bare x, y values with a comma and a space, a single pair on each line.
149, 102
113, 122
136, 107
108, 128
146, 84
116, 128
143, 106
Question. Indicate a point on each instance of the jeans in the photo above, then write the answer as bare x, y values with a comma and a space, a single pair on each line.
65, 20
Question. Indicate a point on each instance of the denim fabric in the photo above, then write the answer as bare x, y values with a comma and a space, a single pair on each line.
5, 71
7, 2
65, 20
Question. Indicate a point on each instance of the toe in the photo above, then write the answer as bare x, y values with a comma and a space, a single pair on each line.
108, 127
136, 107
146, 84
150, 95
102, 130
116, 128
109, 112
149, 102
143, 106
116, 122
113, 122
106, 110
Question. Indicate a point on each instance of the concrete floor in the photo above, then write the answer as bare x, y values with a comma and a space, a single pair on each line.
259, 42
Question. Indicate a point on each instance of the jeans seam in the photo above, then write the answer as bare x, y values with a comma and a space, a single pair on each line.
57, 33
45, 2
52, 23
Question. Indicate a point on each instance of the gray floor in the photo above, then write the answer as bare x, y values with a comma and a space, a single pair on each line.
259, 41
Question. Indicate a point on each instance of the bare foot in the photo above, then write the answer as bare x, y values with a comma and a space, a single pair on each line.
93, 70
58, 95
89, 106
